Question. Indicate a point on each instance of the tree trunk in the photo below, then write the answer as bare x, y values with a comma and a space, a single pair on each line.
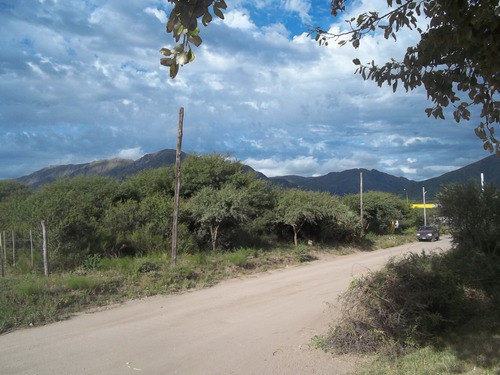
214, 229
295, 234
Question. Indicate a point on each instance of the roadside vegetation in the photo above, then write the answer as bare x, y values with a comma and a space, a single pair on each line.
32, 299
431, 313
108, 241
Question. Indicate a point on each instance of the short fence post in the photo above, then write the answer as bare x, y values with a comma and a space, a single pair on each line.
31, 249
45, 263
2, 257
13, 250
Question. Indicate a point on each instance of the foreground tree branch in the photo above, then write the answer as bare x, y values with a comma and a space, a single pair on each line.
457, 59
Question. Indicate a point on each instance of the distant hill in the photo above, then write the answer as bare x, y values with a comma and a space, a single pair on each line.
489, 166
348, 182
119, 168
338, 183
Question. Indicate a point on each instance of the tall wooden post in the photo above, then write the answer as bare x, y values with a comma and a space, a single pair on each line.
425, 213
177, 187
361, 204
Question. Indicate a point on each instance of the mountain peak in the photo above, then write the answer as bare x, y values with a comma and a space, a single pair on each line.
338, 183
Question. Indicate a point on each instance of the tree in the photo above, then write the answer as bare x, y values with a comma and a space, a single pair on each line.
13, 196
183, 23
148, 182
214, 170
295, 208
473, 215
212, 208
10, 189
379, 210
458, 52
73, 210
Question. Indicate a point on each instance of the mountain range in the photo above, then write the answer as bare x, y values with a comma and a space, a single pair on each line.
338, 183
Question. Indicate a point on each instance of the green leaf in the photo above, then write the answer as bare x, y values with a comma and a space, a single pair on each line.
207, 18
166, 51
218, 13
196, 40
174, 69
178, 29
356, 61
220, 4
355, 43
167, 61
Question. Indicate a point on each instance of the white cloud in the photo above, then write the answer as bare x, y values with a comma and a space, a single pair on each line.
301, 7
130, 153
84, 78
272, 167
158, 13
237, 19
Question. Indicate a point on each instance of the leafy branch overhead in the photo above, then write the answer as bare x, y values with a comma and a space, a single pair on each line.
183, 24
458, 52
457, 59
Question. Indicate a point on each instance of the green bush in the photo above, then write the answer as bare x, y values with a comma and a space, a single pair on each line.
473, 216
80, 283
405, 304
240, 258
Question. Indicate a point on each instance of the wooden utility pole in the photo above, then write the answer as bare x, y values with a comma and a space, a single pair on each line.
177, 187
361, 204
425, 213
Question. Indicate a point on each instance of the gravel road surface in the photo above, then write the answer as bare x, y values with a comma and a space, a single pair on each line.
260, 324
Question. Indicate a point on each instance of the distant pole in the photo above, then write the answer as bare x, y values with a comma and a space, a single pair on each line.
177, 187
361, 203
44, 251
425, 214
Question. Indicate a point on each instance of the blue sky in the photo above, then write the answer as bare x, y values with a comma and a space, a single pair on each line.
80, 80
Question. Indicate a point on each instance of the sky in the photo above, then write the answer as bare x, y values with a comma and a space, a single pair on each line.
81, 80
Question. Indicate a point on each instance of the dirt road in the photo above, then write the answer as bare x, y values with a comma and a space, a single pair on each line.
261, 324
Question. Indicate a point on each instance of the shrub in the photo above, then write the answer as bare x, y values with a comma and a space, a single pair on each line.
473, 216
240, 258
80, 283
405, 304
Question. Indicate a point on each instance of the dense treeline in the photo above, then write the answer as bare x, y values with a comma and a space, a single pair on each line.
222, 207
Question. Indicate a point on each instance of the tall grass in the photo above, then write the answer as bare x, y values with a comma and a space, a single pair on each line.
28, 298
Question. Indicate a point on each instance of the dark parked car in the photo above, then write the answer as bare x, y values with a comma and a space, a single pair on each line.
428, 233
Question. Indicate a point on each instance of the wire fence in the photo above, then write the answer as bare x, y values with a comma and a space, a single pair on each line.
23, 252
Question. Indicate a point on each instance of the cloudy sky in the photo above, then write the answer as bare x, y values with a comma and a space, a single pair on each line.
80, 80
